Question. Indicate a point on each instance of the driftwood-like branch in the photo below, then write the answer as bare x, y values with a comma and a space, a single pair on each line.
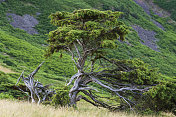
35, 88
73, 77
87, 88
21, 76
36, 70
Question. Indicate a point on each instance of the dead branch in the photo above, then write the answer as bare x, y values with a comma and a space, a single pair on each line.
35, 88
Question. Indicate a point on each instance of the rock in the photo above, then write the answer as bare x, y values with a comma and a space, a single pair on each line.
25, 22
158, 24
143, 5
38, 13
148, 37
148, 4
157, 10
2, 1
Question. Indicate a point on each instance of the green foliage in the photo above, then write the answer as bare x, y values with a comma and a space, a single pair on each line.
21, 54
7, 88
161, 95
61, 98
168, 5
138, 72
132, 14
12, 90
92, 27
3, 78
6, 96
161, 98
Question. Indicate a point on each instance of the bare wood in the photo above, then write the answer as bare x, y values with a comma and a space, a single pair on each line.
36, 70
73, 77
35, 88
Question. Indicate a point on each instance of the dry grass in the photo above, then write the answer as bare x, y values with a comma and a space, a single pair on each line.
5, 70
24, 109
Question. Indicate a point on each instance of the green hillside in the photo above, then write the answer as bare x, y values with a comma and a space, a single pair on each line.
20, 50
168, 5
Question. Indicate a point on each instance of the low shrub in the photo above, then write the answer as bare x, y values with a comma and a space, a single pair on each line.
61, 98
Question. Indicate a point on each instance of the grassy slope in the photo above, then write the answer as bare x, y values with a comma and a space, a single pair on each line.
168, 5
19, 50
20, 53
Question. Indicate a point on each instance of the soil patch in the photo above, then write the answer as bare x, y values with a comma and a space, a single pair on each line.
6, 70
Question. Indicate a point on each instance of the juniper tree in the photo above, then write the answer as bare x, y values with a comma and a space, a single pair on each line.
86, 34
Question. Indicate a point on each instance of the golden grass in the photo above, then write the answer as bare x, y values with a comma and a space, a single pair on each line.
24, 109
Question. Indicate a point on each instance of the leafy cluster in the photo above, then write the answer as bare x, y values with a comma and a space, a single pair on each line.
159, 98
3, 78
161, 94
95, 28
136, 72
163, 97
61, 97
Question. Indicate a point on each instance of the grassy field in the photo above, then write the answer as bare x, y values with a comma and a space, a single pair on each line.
24, 109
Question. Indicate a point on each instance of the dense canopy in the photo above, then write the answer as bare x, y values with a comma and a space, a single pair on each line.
93, 28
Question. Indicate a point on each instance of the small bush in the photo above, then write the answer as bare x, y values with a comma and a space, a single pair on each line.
61, 98
6, 96
3, 78
9, 63
161, 97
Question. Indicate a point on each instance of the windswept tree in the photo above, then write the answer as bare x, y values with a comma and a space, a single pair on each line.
86, 34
